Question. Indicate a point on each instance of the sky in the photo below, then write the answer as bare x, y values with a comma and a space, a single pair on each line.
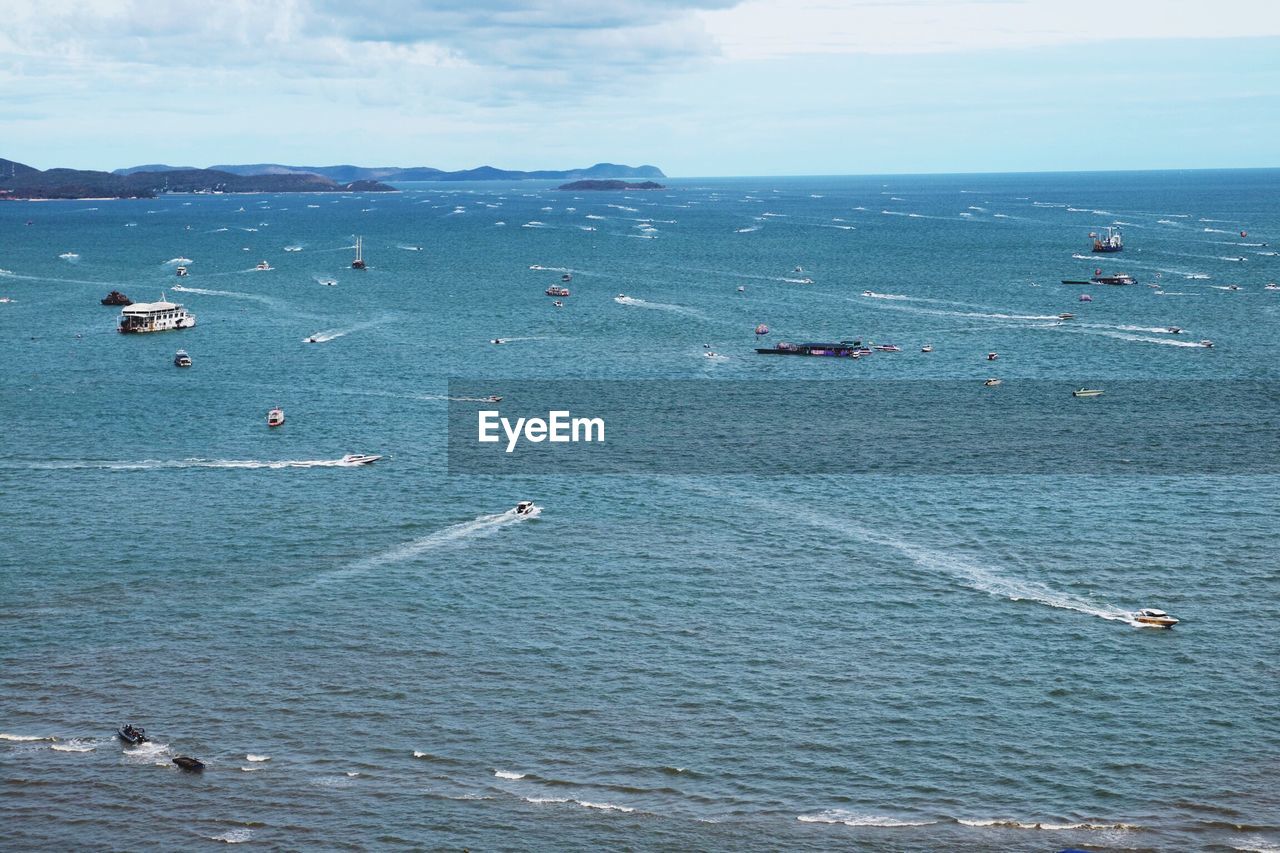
696, 87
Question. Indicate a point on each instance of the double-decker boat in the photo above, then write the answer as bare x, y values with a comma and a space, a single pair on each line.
557, 290
841, 349
1099, 278
159, 316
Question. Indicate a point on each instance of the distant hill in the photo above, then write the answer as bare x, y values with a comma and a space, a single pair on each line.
18, 181
346, 173
610, 185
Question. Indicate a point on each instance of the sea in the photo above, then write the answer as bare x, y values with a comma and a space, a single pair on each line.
387, 656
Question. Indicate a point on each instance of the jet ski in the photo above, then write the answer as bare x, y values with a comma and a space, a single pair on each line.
189, 764
359, 459
525, 508
131, 735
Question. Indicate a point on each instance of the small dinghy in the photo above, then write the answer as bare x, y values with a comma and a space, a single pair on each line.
189, 764
132, 735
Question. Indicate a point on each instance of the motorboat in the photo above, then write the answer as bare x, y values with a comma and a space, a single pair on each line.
263, 265
557, 290
1233, 287
1272, 286
1087, 392
115, 297
328, 282
927, 348
189, 764
494, 398
742, 289
359, 459
887, 348
181, 272
275, 417
1174, 330
991, 383
868, 293
1206, 343
992, 356
567, 277
558, 304
1084, 297
132, 735
312, 340
525, 508
181, 359
497, 341
1154, 618
1066, 315
711, 354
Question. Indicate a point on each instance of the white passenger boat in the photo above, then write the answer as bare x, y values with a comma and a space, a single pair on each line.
1154, 618
161, 316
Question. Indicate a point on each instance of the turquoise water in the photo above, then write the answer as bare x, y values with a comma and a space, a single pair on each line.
706, 662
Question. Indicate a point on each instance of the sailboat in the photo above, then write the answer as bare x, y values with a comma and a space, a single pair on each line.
358, 263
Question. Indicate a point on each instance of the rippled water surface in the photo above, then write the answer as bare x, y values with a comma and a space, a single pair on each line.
386, 656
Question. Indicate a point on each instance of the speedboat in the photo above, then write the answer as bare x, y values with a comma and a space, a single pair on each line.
887, 348
525, 508
494, 398
1206, 343
275, 417
711, 354
189, 764
558, 304
359, 459
1154, 618
181, 272
991, 383
1233, 287
1084, 297
1173, 330
567, 277
927, 348
132, 735
263, 265
1066, 315
115, 297
1272, 286
1087, 392
497, 341
992, 356
181, 359
742, 289
868, 293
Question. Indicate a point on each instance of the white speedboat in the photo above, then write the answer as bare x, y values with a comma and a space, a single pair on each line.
1154, 618
991, 383
1066, 315
1206, 343
1272, 286
181, 272
525, 508
1087, 392
263, 265
887, 348
992, 356
359, 459
927, 348
275, 417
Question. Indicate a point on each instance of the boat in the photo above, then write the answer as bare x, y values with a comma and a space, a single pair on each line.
115, 297
275, 417
1272, 286
1087, 392
524, 508
742, 289
1155, 618
181, 359
358, 263
927, 348
181, 272
1108, 242
189, 764
992, 356
362, 458
558, 304
1084, 297
498, 341
494, 398
1099, 278
1174, 330
567, 277
711, 354
887, 348
161, 316
328, 282
557, 290
132, 735
1233, 287
991, 383
263, 265
1206, 343
843, 349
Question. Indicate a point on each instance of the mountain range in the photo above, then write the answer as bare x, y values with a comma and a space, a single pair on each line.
345, 173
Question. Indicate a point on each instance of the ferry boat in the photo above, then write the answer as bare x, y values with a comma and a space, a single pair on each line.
181, 272
115, 297
181, 359
159, 316
842, 349
358, 263
275, 417
557, 290
1108, 242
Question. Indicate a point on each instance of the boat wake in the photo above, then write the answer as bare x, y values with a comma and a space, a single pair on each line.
659, 306
478, 527
850, 819
323, 337
233, 294
176, 464
1136, 338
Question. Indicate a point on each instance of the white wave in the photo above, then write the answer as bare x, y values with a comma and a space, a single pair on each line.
252, 757
1002, 216
1135, 338
659, 306
507, 774
419, 754
75, 745
979, 209
479, 527
746, 230
233, 294
327, 335
851, 819
408, 248
1214, 230
1167, 222
173, 262
624, 207
1057, 827
73, 257
873, 295
25, 738
234, 836
595, 216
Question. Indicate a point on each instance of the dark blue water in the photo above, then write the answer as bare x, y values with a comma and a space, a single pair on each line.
696, 662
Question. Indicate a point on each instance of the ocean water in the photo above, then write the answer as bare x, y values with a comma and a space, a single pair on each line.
386, 657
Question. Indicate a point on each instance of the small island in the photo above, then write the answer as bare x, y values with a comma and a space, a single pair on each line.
611, 185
